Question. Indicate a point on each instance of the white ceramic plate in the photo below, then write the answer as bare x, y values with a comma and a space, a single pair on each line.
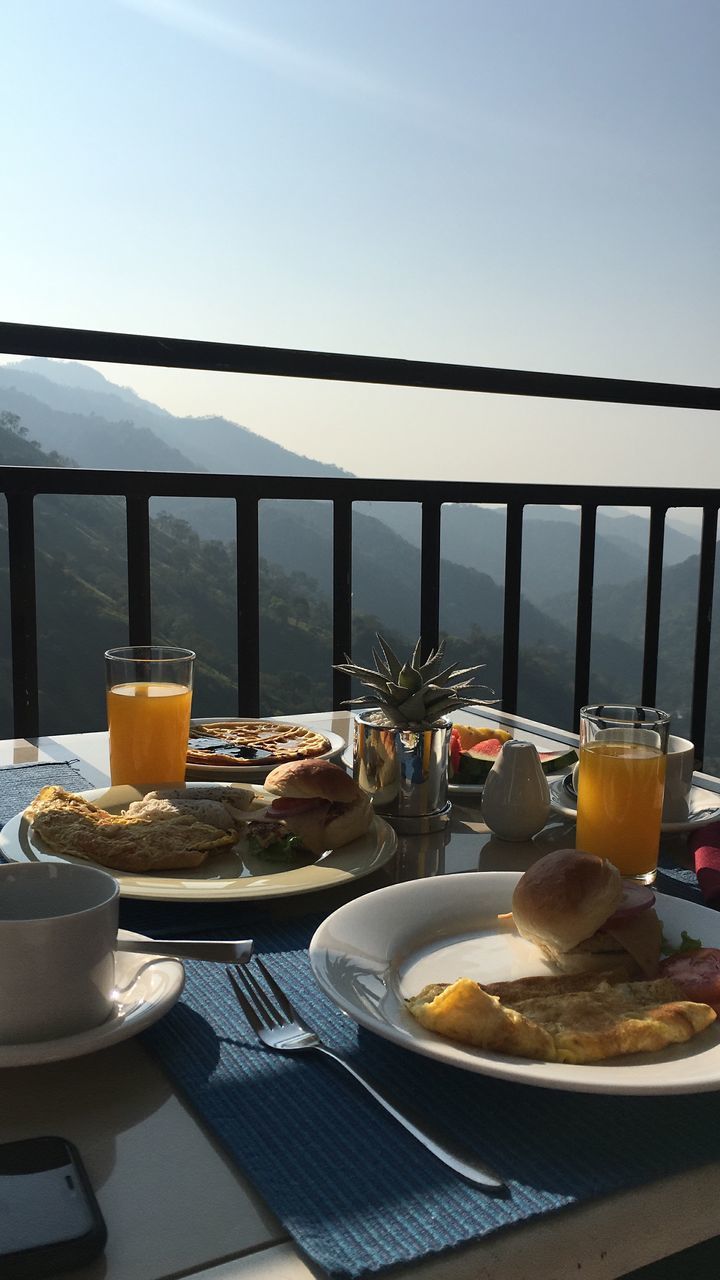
703, 807
252, 772
374, 952
226, 875
146, 987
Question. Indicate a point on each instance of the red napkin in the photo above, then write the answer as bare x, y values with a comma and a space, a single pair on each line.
704, 845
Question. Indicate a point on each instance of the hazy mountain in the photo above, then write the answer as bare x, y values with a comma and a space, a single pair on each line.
73, 374
386, 574
297, 537
86, 420
475, 537
75, 410
205, 443
82, 610
90, 440
82, 607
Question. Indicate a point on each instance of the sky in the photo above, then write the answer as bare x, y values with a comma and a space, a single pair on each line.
529, 184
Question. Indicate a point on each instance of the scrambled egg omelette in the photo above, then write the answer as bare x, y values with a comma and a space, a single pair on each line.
576, 1019
69, 825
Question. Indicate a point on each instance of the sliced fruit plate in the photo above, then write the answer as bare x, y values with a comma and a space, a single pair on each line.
474, 750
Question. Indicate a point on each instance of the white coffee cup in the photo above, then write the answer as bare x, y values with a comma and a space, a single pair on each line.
678, 778
679, 766
58, 929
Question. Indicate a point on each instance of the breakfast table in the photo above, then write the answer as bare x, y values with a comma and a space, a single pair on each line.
194, 1167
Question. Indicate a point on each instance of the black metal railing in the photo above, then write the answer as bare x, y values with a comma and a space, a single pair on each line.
22, 484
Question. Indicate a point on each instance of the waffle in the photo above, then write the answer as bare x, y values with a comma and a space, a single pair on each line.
252, 743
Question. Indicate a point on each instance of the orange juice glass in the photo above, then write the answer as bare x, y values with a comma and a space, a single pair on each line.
149, 692
621, 781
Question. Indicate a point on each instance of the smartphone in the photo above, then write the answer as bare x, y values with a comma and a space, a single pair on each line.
50, 1220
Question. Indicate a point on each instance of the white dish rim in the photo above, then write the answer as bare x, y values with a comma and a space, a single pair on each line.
351, 862
332, 964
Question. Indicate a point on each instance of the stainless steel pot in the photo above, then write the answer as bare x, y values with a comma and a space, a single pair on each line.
404, 771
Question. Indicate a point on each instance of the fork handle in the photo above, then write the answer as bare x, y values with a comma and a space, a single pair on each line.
463, 1162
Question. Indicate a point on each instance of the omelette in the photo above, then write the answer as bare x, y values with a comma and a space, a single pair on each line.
575, 1018
70, 826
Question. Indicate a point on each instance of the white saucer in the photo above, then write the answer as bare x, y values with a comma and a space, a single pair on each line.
146, 987
703, 807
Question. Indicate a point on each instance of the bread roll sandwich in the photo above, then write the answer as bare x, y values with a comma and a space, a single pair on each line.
316, 802
585, 918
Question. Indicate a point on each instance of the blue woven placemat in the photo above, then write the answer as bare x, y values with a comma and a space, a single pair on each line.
355, 1192
352, 1189
19, 785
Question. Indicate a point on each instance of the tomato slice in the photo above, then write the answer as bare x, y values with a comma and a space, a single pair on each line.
698, 973
285, 805
636, 898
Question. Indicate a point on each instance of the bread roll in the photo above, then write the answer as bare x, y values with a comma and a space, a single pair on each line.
563, 898
350, 823
343, 811
313, 780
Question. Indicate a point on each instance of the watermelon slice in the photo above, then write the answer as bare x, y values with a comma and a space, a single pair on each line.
474, 765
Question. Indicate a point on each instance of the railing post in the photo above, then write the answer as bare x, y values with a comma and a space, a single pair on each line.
656, 543
583, 633
23, 615
248, 604
342, 596
430, 576
701, 664
138, 570
511, 605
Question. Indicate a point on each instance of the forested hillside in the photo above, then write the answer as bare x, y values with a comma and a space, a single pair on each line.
82, 610
82, 580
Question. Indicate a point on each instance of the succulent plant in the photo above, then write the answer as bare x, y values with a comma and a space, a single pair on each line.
413, 694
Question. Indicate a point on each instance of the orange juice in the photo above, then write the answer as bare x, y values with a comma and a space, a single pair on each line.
620, 800
149, 724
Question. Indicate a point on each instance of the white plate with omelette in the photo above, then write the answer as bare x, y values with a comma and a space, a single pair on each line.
229, 873
372, 954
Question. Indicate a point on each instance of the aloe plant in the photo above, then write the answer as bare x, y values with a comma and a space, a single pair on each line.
412, 694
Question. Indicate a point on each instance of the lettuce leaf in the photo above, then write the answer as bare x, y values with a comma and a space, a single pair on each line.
687, 944
285, 849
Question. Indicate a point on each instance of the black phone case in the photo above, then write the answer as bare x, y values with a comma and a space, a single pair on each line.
50, 1259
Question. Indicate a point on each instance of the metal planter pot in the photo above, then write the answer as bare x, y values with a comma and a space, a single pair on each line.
404, 771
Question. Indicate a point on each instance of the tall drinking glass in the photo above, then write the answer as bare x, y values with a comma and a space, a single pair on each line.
621, 780
149, 691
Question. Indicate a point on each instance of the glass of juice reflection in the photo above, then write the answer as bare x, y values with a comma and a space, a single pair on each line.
148, 691
621, 781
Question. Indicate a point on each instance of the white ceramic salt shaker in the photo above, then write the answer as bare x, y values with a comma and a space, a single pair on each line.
516, 795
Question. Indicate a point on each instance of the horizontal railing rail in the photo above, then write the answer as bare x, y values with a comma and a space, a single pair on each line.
22, 484
282, 362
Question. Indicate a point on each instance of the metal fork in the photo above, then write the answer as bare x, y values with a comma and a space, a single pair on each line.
278, 1025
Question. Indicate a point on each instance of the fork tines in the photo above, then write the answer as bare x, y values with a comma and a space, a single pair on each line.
255, 1001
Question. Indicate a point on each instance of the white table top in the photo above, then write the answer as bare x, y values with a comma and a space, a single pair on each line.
176, 1206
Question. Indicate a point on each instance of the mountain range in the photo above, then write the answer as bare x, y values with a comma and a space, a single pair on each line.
54, 408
